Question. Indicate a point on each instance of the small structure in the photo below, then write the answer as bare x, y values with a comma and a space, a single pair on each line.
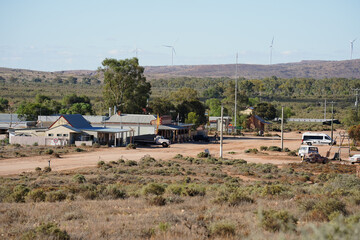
215, 123
256, 122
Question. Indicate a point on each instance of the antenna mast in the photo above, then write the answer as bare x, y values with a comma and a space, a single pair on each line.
236, 88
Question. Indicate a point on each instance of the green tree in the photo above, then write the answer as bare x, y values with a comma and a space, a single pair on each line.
214, 105
354, 133
125, 85
161, 106
78, 108
266, 111
184, 94
194, 106
193, 118
4, 104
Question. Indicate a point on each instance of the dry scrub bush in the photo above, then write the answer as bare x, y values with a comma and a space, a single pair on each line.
273, 221
46, 231
222, 229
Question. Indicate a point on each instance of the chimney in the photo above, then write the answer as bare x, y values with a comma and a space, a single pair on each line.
115, 110
109, 111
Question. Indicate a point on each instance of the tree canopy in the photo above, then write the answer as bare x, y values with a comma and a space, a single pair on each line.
125, 85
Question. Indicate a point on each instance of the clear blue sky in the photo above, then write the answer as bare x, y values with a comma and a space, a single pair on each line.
52, 35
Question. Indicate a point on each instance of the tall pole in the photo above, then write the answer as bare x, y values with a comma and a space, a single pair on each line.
325, 110
357, 98
332, 119
236, 87
221, 130
282, 128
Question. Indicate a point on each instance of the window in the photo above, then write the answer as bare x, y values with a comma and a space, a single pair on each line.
65, 135
58, 135
50, 134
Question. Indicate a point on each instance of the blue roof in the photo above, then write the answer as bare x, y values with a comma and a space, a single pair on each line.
77, 121
261, 119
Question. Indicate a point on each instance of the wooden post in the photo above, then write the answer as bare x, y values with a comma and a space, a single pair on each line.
358, 171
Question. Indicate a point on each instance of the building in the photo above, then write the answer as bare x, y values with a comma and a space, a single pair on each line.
69, 129
257, 123
141, 124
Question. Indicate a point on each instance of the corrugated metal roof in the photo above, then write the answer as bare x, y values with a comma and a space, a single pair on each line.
5, 117
106, 130
77, 121
170, 127
68, 127
132, 118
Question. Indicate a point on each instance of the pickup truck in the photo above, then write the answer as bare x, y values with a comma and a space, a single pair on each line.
151, 139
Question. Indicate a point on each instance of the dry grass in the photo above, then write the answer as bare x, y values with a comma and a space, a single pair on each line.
203, 199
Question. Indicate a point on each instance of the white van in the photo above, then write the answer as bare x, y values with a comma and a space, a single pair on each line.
310, 138
304, 150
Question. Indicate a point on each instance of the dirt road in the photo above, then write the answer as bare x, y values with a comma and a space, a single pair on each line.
233, 148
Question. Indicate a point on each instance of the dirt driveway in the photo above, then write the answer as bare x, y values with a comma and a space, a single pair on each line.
233, 148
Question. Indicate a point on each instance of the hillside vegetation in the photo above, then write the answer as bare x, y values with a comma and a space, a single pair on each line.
304, 69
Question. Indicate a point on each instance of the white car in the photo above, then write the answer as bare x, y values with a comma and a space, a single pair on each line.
355, 159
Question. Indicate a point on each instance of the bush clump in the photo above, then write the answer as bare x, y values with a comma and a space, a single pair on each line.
131, 146
156, 200
37, 195
274, 149
274, 221
252, 150
130, 163
56, 196
203, 155
154, 189
322, 209
263, 148
114, 192
79, 178
46, 231
222, 229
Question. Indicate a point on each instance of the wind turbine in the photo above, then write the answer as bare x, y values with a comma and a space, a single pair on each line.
136, 51
172, 53
351, 47
271, 48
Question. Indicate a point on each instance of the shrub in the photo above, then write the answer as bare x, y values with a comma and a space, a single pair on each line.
19, 193
96, 145
238, 197
252, 150
114, 192
156, 200
131, 163
55, 196
274, 221
100, 164
37, 195
292, 153
203, 155
164, 226
49, 151
274, 149
46, 231
147, 160
38, 169
194, 190
263, 148
222, 229
47, 169
179, 156
35, 144
273, 190
79, 150
154, 188
79, 178
131, 146
321, 209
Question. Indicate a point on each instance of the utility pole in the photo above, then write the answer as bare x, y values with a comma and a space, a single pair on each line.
282, 128
325, 110
332, 119
221, 131
357, 98
236, 88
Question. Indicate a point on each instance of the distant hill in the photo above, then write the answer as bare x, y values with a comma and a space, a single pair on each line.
303, 69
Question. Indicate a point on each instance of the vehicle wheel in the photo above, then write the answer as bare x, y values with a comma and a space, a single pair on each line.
309, 143
164, 144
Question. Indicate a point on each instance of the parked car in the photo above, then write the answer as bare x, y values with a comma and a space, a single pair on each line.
311, 138
315, 158
355, 159
305, 149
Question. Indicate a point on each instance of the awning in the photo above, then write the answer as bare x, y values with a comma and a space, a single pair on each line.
106, 130
170, 127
